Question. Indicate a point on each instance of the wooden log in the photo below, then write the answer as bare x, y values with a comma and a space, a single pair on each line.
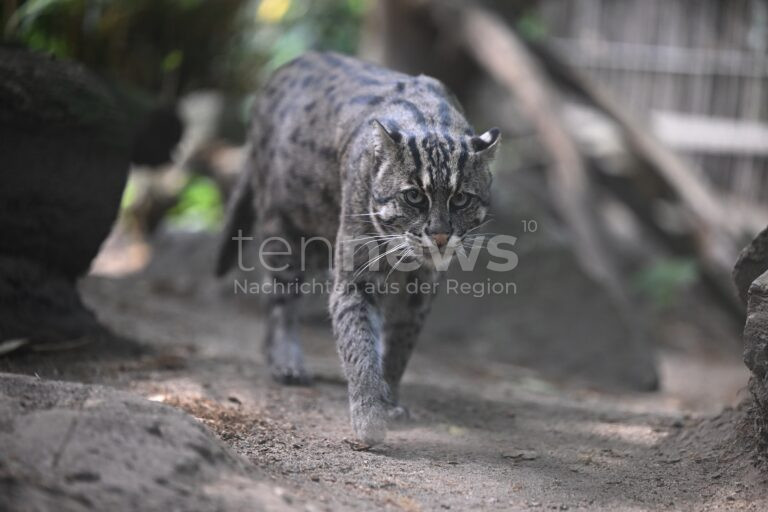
498, 50
703, 134
714, 239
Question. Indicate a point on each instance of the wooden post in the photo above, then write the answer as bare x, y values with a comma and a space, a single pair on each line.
498, 51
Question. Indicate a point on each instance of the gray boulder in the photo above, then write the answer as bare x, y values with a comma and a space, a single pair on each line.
70, 447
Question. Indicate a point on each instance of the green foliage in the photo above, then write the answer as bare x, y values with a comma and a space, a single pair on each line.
152, 49
129, 195
199, 206
663, 281
171, 46
160, 46
532, 27
284, 29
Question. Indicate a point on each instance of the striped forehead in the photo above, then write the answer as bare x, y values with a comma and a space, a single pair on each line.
437, 160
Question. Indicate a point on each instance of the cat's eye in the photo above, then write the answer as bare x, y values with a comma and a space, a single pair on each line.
460, 200
414, 197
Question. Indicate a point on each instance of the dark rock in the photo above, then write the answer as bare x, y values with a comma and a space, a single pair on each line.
64, 156
156, 135
752, 262
756, 359
39, 304
751, 277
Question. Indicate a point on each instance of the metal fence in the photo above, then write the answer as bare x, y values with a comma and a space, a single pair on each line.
695, 70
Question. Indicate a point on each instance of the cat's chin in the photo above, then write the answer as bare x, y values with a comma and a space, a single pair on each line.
421, 260
439, 262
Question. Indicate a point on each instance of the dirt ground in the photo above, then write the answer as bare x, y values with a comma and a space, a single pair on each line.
483, 435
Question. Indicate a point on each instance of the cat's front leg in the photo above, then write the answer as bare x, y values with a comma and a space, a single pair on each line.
357, 326
404, 316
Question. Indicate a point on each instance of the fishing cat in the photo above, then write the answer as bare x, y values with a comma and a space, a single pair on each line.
384, 166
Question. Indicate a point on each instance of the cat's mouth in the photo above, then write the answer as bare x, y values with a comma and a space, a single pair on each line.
430, 254
409, 250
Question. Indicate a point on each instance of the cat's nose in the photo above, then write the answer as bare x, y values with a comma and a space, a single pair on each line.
440, 239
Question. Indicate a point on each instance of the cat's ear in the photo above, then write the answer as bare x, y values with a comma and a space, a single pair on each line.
485, 145
387, 139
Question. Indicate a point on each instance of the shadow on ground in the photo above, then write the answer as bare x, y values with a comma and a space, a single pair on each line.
484, 434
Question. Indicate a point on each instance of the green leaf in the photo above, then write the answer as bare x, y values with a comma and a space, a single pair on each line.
173, 60
199, 206
532, 27
26, 15
663, 281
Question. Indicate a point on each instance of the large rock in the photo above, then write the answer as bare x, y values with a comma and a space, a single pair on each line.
69, 447
752, 262
65, 153
64, 156
750, 275
39, 305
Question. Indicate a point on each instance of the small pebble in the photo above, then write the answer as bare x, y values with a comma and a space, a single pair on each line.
283, 494
357, 445
521, 455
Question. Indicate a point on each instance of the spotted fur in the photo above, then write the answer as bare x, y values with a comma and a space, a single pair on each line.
376, 161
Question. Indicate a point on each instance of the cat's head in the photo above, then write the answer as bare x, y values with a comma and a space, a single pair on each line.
432, 189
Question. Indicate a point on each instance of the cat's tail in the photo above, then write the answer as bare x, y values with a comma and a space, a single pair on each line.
240, 217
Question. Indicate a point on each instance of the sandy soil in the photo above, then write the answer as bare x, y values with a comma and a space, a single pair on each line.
483, 435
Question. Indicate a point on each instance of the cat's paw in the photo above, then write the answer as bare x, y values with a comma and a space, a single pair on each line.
369, 421
398, 414
286, 363
291, 375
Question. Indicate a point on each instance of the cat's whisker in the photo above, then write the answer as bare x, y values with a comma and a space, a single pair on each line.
379, 241
371, 237
379, 257
374, 235
374, 259
469, 244
361, 221
364, 245
370, 240
478, 226
407, 253
374, 238
371, 263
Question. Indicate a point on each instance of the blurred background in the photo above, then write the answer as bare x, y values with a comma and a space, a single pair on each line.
634, 165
